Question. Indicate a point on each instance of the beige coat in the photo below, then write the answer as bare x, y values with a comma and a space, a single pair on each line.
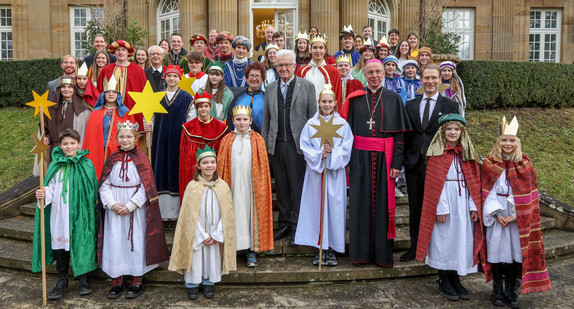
182, 251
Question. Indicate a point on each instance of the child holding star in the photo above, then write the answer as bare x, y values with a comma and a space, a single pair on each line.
243, 163
204, 240
330, 159
70, 195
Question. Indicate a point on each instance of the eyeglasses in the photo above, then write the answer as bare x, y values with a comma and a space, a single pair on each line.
254, 76
284, 65
155, 54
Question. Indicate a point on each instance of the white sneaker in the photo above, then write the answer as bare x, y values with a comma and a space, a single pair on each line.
398, 193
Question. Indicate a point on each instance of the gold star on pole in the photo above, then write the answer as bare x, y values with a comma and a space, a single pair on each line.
41, 101
39, 146
185, 85
441, 88
326, 130
147, 102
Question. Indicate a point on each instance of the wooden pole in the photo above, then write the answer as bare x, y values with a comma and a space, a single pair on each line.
323, 186
148, 142
42, 225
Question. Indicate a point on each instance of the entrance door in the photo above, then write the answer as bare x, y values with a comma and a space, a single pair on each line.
285, 22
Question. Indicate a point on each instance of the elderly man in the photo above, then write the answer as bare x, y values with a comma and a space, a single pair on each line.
289, 102
99, 44
154, 73
211, 49
378, 120
68, 65
423, 112
268, 38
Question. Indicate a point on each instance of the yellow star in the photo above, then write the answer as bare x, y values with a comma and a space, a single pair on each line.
147, 102
41, 102
39, 146
185, 85
326, 130
441, 88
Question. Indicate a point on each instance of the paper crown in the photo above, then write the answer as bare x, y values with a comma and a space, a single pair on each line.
368, 44
508, 128
271, 46
204, 97
67, 80
173, 69
204, 153
83, 70
110, 84
302, 36
347, 30
319, 38
345, 58
242, 110
216, 66
383, 42
128, 125
327, 90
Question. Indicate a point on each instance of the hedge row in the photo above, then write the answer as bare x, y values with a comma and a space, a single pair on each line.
488, 84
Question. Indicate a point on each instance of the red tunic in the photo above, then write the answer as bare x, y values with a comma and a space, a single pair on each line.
197, 134
91, 94
332, 77
351, 86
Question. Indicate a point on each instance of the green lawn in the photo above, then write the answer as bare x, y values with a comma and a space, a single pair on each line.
547, 137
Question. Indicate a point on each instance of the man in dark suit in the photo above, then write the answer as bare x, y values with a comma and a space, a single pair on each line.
289, 102
99, 44
154, 73
423, 113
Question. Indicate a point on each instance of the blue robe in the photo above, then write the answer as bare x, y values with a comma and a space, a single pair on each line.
166, 140
397, 85
411, 86
235, 74
354, 55
244, 98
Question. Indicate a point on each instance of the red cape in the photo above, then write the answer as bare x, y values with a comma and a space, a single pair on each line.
196, 134
344, 111
522, 178
332, 77
155, 246
352, 86
91, 94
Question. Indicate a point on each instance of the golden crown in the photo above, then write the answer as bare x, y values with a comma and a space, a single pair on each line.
508, 128
345, 58
302, 36
319, 38
128, 125
271, 46
110, 84
242, 110
327, 90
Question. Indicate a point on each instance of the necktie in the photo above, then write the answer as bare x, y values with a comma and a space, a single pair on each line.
156, 74
284, 92
426, 114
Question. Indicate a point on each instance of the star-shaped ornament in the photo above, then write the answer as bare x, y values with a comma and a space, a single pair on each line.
41, 102
147, 102
326, 130
185, 85
441, 88
256, 54
39, 146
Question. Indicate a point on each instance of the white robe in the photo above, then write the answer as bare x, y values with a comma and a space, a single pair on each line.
316, 77
206, 260
502, 243
59, 213
117, 257
335, 206
241, 188
198, 83
451, 245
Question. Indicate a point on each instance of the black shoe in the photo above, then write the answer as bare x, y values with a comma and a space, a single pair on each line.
323, 258
409, 255
292, 240
497, 297
208, 291
283, 232
117, 288
60, 288
510, 292
455, 281
331, 260
445, 287
136, 288
85, 285
193, 293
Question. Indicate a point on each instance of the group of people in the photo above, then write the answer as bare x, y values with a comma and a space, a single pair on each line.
238, 121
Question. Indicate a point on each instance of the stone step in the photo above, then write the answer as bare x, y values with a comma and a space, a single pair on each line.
280, 269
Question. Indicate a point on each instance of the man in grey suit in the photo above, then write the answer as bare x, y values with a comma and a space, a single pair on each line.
68, 65
289, 102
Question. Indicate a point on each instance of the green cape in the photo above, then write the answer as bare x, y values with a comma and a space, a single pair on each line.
83, 190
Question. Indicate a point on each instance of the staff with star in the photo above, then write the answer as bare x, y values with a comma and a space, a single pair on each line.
326, 142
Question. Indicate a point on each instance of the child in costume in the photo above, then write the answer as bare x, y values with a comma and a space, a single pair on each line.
70, 215
221, 95
86, 89
132, 222
450, 234
199, 132
455, 91
243, 163
511, 214
411, 79
330, 159
393, 81
204, 240
367, 52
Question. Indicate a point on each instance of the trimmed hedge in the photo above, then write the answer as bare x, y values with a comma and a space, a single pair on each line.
18, 78
488, 84
504, 84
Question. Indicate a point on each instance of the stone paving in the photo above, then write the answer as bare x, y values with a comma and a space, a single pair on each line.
20, 289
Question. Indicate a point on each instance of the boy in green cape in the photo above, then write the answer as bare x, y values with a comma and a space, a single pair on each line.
70, 193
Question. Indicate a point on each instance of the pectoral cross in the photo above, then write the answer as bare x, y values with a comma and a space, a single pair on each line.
371, 123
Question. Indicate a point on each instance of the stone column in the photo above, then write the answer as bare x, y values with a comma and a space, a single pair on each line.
31, 33
138, 11
502, 29
354, 12
325, 16
192, 19
223, 15
304, 15
243, 14
408, 18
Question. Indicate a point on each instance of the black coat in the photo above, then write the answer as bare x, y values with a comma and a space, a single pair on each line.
156, 84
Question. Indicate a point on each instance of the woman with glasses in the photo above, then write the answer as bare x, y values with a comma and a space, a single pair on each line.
253, 96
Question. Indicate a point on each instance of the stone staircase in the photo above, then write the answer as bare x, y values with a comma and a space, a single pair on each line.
284, 264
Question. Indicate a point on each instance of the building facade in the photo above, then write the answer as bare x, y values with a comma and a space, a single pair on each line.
520, 30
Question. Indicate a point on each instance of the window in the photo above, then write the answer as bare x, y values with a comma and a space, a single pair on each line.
544, 36
79, 18
168, 18
461, 21
285, 14
7, 52
379, 18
